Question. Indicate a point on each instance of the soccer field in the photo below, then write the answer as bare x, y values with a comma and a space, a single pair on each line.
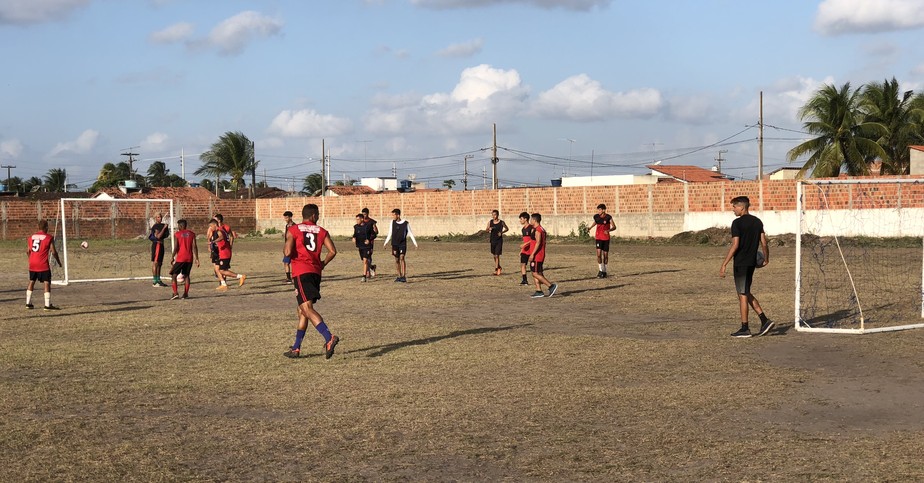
457, 375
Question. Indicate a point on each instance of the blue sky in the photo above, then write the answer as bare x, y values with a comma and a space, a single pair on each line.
575, 87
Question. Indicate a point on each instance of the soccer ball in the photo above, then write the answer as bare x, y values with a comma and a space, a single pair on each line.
760, 259
84, 245
180, 278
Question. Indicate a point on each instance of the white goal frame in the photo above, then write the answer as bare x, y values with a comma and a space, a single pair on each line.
63, 218
800, 212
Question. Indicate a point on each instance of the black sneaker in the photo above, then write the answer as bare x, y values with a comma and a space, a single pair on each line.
599, 274
175, 296
602, 274
51, 307
538, 294
30, 306
742, 332
524, 282
765, 327
293, 353
185, 296
553, 289
329, 347
403, 280
398, 279
372, 271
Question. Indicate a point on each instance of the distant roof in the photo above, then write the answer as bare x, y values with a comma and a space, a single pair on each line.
269, 192
917, 148
688, 174
185, 194
45, 195
351, 190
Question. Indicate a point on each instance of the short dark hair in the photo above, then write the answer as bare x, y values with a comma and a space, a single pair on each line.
601, 206
213, 221
310, 210
396, 211
537, 217
360, 216
219, 217
495, 211
365, 211
524, 215
181, 224
43, 225
287, 213
741, 200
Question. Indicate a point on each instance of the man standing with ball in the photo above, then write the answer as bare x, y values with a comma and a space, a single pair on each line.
185, 251
747, 234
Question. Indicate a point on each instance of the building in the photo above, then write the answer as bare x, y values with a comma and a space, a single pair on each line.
684, 174
786, 172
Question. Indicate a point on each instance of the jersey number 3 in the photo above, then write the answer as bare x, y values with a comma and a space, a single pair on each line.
311, 241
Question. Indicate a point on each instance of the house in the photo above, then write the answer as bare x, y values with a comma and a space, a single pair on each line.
916, 160
786, 172
684, 174
349, 191
159, 193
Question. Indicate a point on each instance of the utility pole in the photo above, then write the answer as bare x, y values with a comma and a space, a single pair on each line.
494, 161
719, 159
323, 167
760, 142
570, 149
253, 172
131, 160
182, 164
465, 171
8, 176
484, 178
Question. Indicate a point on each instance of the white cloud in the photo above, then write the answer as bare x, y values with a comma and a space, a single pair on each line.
232, 35
308, 123
483, 95
580, 98
23, 12
579, 5
178, 32
464, 49
10, 148
782, 101
692, 109
82, 145
918, 70
155, 142
836, 17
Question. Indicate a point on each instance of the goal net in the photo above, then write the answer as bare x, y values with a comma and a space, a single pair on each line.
116, 235
859, 258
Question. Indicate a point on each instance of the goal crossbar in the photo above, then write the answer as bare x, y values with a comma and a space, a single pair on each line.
63, 218
799, 323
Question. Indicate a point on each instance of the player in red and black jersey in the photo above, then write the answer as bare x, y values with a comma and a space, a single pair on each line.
537, 258
303, 246
529, 236
40, 245
604, 225
222, 242
185, 252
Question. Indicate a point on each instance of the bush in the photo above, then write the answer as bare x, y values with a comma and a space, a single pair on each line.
584, 230
271, 231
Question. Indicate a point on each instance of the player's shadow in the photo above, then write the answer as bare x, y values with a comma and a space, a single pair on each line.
594, 289
780, 329
68, 313
652, 272
381, 350
449, 274
832, 319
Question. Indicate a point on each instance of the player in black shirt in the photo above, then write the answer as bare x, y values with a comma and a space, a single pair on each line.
747, 235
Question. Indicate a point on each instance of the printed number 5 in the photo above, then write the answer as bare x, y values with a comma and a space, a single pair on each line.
310, 242
35, 245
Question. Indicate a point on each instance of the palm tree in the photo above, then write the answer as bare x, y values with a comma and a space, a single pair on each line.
885, 104
30, 183
55, 180
312, 183
449, 183
158, 174
844, 139
232, 156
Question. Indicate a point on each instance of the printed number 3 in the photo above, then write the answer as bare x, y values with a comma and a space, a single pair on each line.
310, 242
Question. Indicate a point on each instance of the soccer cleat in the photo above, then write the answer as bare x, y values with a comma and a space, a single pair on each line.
222, 288
240, 281
154, 284
288, 281
329, 347
161, 284
51, 307
553, 289
524, 282
175, 296
372, 271
602, 274
765, 327
403, 280
538, 294
363, 279
30, 306
742, 332
398, 279
185, 296
293, 353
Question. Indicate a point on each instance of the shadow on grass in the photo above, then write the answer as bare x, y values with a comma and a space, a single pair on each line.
66, 312
595, 289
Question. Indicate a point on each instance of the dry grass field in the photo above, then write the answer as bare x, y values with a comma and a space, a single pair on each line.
455, 376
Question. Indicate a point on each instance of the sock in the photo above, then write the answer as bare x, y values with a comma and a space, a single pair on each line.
322, 328
47, 299
28, 297
223, 283
763, 317
524, 277
299, 335
186, 287
174, 288
604, 268
744, 325
601, 266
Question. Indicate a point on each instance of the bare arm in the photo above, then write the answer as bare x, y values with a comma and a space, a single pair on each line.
195, 251
290, 245
505, 229
728, 257
765, 248
331, 251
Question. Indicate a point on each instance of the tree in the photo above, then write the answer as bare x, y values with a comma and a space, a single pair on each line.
231, 156
158, 174
207, 184
31, 183
885, 104
844, 139
312, 183
13, 184
112, 174
449, 183
55, 180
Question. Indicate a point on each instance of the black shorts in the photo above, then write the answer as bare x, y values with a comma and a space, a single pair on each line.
536, 267
524, 258
743, 278
213, 253
497, 246
181, 267
40, 276
398, 250
157, 253
307, 287
603, 245
364, 253
224, 264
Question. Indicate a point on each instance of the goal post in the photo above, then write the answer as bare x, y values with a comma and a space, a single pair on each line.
859, 255
108, 219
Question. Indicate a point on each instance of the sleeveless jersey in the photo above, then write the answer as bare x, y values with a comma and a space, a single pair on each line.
603, 226
540, 254
529, 236
309, 238
496, 229
184, 243
39, 249
223, 244
398, 233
